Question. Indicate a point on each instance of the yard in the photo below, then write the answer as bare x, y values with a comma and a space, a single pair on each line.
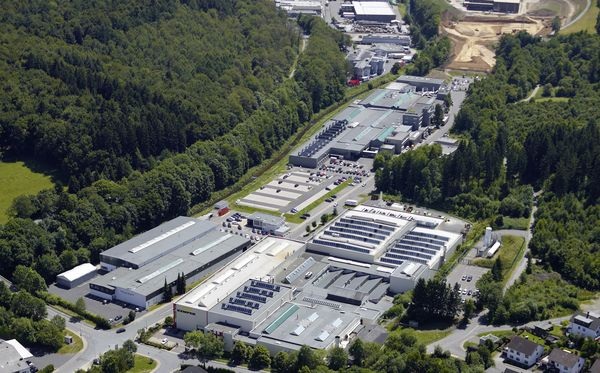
74, 347
16, 179
143, 364
426, 336
515, 223
508, 253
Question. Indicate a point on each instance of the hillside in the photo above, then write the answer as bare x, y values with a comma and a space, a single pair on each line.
102, 88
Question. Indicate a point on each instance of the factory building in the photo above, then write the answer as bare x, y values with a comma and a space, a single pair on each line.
294, 8
393, 116
138, 268
421, 83
373, 11
13, 357
76, 276
500, 6
389, 237
210, 302
398, 40
268, 223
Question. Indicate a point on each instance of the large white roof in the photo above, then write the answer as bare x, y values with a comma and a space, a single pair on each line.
77, 272
22, 351
255, 263
372, 8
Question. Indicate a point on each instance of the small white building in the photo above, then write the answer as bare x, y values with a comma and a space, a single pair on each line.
565, 362
585, 324
12, 357
523, 352
76, 276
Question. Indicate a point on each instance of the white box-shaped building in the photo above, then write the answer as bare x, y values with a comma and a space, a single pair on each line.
76, 276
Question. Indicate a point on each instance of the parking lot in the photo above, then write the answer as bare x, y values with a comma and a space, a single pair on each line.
111, 310
299, 187
466, 276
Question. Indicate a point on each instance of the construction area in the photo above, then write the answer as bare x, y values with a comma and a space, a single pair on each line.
475, 26
474, 38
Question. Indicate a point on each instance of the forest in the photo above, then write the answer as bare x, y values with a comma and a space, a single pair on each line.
100, 89
510, 148
58, 228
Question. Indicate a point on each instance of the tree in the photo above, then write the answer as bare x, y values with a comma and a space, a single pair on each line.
260, 358
130, 346
206, 345
314, 224
497, 270
58, 321
167, 292
357, 350
80, 305
337, 358
324, 219
438, 116
239, 354
130, 317
169, 320
26, 305
556, 24
396, 68
547, 91
468, 309
68, 259
283, 363
28, 279
49, 266
529, 268
307, 229
306, 358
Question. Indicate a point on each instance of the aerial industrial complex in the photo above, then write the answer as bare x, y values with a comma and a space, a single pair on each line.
283, 294
390, 116
139, 267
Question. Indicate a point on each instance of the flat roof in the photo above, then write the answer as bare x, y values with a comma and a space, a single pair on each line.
316, 326
11, 355
419, 79
373, 8
150, 245
251, 299
508, 1
148, 278
256, 262
391, 99
267, 218
77, 272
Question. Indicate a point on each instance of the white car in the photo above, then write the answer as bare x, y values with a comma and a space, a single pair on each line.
164, 341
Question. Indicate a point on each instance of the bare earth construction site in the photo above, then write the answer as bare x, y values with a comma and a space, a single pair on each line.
475, 33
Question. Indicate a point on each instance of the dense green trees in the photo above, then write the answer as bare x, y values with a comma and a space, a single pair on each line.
204, 345
509, 148
103, 88
434, 300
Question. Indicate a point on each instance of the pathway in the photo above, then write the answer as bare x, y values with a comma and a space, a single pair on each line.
587, 7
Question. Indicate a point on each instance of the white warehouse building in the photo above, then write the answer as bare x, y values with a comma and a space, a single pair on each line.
76, 276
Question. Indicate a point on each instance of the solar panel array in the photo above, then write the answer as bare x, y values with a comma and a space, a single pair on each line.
324, 138
418, 247
252, 297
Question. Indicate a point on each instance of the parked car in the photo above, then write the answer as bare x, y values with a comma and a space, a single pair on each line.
120, 330
118, 317
164, 341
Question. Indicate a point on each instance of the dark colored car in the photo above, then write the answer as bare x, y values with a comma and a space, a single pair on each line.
120, 330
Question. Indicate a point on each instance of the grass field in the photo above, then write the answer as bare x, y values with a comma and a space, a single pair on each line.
17, 179
510, 249
515, 223
426, 337
586, 23
74, 347
143, 364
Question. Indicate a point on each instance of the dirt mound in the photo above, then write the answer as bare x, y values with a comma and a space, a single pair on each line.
474, 36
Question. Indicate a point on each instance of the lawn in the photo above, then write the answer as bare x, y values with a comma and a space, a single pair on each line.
515, 223
554, 99
143, 364
76, 346
498, 333
586, 23
426, 336
16, 179
508, 253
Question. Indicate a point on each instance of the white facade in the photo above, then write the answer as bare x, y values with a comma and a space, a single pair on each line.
565, 362
522, 351
585, 325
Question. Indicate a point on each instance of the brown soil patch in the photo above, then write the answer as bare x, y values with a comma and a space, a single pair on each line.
474, 36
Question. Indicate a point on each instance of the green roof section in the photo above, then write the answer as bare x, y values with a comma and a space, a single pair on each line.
281, 319
385, 133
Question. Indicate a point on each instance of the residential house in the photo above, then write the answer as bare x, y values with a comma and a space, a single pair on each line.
585, 324
523, 352
564, 362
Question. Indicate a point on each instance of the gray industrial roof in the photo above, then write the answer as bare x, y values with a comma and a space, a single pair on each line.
148, 246
418, 79
147, 279
315, 327
389, 98
267, 218
11, 357
255, 303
